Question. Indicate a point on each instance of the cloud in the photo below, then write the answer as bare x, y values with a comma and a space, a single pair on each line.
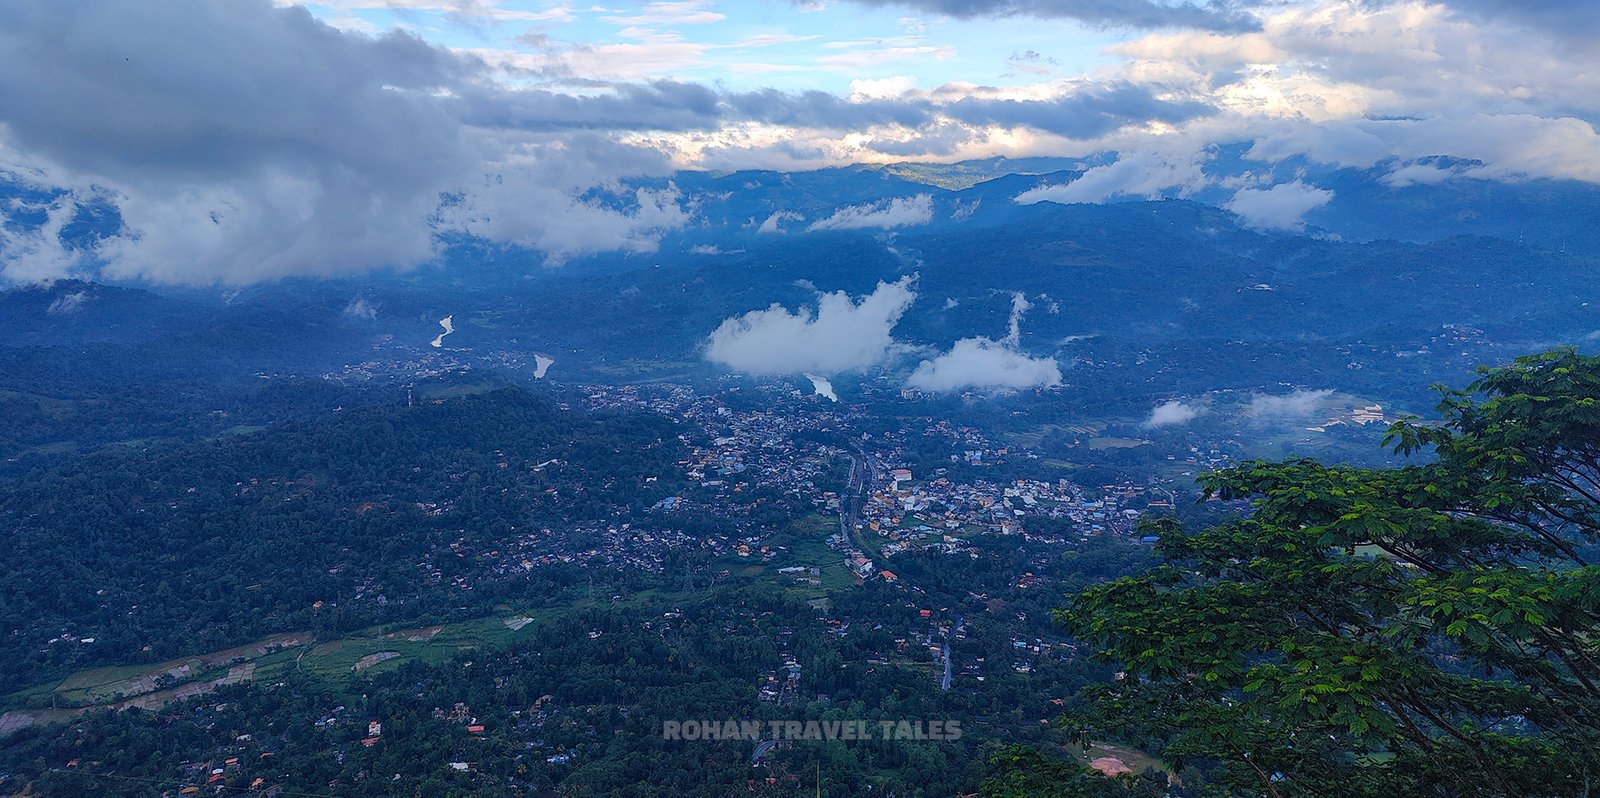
566, 227
774, 223
240, 139
35, 252
1139, 174
898, 212
981, 363
1574, 18
1171, 413
1280, 207
1123, 13
842, 334
1083, 113
881, 88
1295, 405
1076, 110
242, 142
360, 308
67, 304
1417, 174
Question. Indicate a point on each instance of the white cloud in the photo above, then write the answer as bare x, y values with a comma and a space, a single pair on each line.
985, 364
471, 10
1417, 174
67, 304
567, 227
37, 254
1299, 404
881, 88
360, 308
1171, 413
842, 334
982, 364
670, 12
1280, 207
774, 223
898, 212
1139, 174
270, 144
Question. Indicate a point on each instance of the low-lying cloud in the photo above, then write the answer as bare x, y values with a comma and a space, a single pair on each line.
1171, 413
985, 364
67, 304
898, 212
842, 334
36, 252
1148, 174
1300, 404
1280, 207
774, 223
361, 308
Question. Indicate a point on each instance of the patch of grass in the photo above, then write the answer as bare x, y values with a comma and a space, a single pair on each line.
1109, 442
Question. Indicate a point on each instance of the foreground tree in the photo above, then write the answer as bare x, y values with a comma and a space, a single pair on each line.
1427, 630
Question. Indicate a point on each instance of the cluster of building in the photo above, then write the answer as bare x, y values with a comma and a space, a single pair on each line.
942, 514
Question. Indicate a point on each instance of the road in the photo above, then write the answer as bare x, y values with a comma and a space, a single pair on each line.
944, 683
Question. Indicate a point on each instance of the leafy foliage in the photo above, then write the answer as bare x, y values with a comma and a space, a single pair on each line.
1427, 630
1019, 771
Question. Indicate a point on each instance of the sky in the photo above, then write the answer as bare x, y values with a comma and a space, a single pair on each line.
743, 46
252, 140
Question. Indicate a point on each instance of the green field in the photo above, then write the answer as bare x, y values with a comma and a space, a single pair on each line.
805, 544
272, 658
1101, 444
380, 649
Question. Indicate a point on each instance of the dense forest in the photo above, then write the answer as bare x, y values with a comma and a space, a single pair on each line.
591, 689
361, 517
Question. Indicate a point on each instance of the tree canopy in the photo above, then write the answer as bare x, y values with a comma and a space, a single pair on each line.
1424, 630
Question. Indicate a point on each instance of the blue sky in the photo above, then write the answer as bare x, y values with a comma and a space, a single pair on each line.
758, 44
